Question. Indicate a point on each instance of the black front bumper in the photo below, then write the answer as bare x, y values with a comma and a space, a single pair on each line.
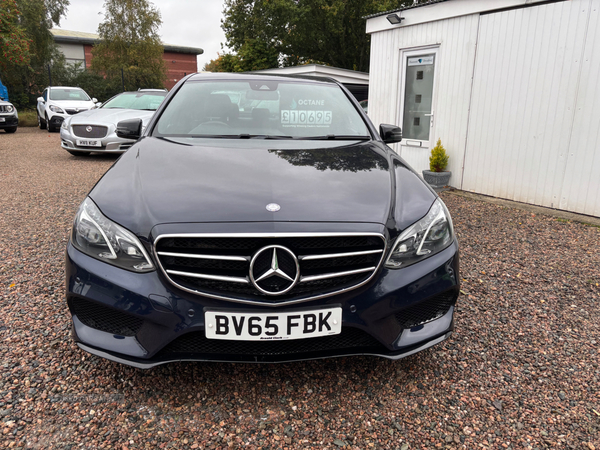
143, 321
9, 122
56, 121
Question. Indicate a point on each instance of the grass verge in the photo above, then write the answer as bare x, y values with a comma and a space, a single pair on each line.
28, 118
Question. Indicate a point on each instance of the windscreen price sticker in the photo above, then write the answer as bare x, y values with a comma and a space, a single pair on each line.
305, 117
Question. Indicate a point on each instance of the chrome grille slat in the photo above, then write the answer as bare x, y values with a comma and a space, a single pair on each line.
209, 277
198, 256
218, 265
326, 276
338, 255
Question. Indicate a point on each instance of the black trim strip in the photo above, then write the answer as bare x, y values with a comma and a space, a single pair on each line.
528, 5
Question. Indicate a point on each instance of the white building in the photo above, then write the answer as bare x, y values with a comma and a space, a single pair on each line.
512, 87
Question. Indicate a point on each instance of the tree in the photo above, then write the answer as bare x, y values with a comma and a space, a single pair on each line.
225, 62
129, 41
328, 31
253, 55
14, 45
36, 18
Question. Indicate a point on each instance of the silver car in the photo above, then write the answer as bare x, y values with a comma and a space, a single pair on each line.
96, 130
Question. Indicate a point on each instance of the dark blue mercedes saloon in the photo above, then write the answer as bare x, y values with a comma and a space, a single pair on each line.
260, 219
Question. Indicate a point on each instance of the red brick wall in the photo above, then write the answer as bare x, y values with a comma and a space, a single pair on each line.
178, 65
87, 51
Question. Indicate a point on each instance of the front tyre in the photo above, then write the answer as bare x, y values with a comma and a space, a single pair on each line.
51, 128
41, 123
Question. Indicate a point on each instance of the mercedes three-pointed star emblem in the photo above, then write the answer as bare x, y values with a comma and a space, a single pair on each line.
282, 273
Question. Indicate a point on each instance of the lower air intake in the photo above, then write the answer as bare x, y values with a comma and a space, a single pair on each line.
426, 311
105, 319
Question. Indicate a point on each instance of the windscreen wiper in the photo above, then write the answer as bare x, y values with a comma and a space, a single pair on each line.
336, 137
263, 136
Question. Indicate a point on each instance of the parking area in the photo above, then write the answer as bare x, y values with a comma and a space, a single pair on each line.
520, 371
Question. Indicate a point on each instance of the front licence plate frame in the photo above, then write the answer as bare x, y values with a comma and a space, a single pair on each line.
272, 326
89, 143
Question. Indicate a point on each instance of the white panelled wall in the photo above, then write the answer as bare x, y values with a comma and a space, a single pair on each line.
516, 97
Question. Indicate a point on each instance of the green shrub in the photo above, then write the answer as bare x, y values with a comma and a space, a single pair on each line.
438, 159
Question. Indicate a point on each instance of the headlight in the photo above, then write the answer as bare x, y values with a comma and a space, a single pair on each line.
64, 125
10, 108
56, 109
430, 235
97, 236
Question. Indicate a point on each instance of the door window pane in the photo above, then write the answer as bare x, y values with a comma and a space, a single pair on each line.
418, 97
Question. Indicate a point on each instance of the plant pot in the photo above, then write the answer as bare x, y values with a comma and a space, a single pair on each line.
437, 179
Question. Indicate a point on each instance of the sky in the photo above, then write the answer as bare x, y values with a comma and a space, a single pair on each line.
188, 23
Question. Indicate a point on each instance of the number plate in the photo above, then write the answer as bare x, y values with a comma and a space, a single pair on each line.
273, 326
2, 119
88, 143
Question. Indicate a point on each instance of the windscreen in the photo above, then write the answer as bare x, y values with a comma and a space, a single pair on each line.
69, 94
143, 101
293, 109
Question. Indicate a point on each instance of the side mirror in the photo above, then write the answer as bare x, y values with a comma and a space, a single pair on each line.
94, 100
390, 133
40, 99
98, 104
130, 129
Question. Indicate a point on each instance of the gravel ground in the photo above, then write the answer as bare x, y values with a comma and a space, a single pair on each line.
521, 370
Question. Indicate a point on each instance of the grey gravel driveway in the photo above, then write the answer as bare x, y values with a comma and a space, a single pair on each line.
521, 370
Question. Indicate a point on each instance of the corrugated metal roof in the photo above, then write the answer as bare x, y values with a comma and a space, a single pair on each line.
80, 37
430, 2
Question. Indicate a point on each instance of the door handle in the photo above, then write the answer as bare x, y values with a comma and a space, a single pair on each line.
430, 115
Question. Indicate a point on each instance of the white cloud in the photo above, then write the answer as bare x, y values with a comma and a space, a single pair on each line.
189, 23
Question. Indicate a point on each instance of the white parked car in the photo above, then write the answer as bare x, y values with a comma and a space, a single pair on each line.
59, 102
9, 118
96, 130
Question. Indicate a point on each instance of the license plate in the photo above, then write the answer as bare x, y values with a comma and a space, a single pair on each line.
88, 143
2, 119
272, 326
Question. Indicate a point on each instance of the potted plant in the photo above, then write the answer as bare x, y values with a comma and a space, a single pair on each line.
438, 176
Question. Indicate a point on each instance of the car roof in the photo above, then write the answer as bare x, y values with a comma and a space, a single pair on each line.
65, 87
253, 76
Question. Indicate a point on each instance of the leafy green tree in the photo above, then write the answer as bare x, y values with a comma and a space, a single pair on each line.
129, 41
225, 62
252, 55
331, 32
14, 44
36, 18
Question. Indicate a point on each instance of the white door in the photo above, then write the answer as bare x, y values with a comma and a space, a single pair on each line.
417, 101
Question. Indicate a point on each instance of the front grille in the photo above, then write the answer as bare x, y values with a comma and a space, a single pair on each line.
74, 111
196, 343
106, 319
426, 311
220, 266
96, 131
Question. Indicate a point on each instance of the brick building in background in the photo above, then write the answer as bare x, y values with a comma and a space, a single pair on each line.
77, 47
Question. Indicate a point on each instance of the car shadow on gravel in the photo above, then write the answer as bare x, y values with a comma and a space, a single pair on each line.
322, 383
